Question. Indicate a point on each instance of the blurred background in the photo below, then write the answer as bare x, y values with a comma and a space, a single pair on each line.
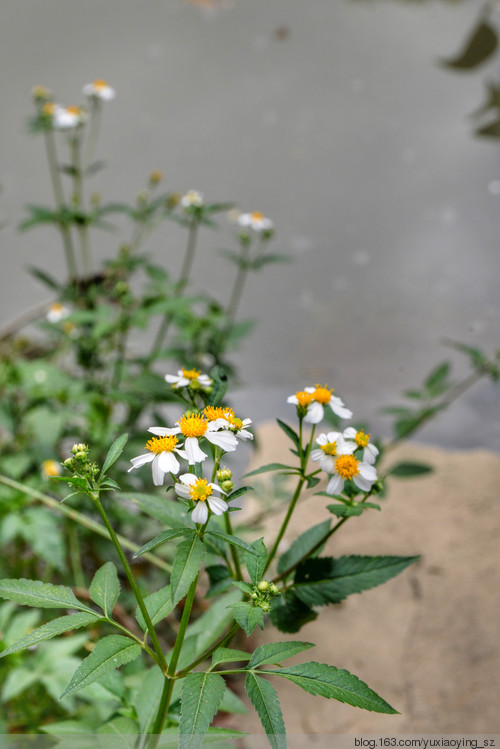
336, 120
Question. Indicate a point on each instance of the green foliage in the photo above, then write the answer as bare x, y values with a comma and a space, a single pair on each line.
304, 545
256, 562
105, 588
201, 697
52, 629
41, 595
289, 614
479, 47
186, 566
248, 617
265, 700
158, 605
408, 469
275, 652
109, 653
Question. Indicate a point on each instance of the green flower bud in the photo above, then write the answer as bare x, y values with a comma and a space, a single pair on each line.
263, 586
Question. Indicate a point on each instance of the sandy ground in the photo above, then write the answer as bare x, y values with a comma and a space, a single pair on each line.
426, 641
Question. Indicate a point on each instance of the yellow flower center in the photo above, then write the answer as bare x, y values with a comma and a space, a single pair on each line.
74, 110
304, 398
161, 444
99, 83
347, 466
56, 307
200, 490
218, 412
257, 216
361, 438
191, 374
51, 468
49, 109
193, 426
322, 394
330, 448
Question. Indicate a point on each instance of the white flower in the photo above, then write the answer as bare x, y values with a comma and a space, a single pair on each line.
186, 377
65, 118
331, 445
201, 492
194, 426
361, 439
161, 456
346, 466
99, 89
314, 398
224, 417
192, 199
256, 221
57, 312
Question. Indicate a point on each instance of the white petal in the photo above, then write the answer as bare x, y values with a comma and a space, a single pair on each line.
335, 485
226, 440
168, 462
368, 472
200, 513
163, 431
141, 460
158, 474
217, 505
345, 448
362, 483
370, 454
194, 452
334, 436
315, 413
182, 491
349, 433
243, 434
188, 478
317, 454
338, 407
327, 463
293, 399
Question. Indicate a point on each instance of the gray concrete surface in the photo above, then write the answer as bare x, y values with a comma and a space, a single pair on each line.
331, 117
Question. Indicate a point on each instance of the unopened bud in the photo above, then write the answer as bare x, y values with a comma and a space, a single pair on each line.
155, 177
263, 586
224, 474
227, 486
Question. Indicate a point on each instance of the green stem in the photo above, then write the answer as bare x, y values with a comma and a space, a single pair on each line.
57, 188
166, 696
76, 157
75, 556
221, 642
238, 287
234, 551
93, 130
82, 520
136, 639
135, 589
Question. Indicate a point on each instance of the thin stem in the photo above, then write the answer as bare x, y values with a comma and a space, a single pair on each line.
93, 131
57, 188
81, 519
284, 525
234, 552
136, 639
135, 589
75, 556
78, 199
221, 642
166, 695
238, 287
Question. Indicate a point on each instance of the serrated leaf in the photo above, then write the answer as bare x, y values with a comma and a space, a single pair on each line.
248, 617
271, 467
233, 540
275, 652
303, 545
114, 453
333, 683
289, 614
172, 514
478, 48
200, 699
232, 704
41, 595
147, 698
345, 511
220, 579
186, 565
406, 469
256, 563
330, 580
265, 700
290, 433
158, 605
52, 629
163, 538
229, 655
244, 587
109, 653
105, 588
238, 493
122, 726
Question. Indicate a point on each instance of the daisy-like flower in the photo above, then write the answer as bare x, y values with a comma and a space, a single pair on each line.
99, 89
57, 312
195, 426
331, 445
161, 456
313, 399
188, 377
346, 467
361, 439
256, 221
192, 199
51, 468
227, 419
66, 118
201, 492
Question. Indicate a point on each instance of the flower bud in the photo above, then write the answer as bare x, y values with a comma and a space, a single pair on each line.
263, 586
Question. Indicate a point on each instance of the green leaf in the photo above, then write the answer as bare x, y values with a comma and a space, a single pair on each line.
158, 605
345, 511
256, 562
407, 468
330, 580
147, 698
303, 545
52, 629
220, 579
436, 382
238, 493
232, 704
105, 588
109, 653
47, 279
200, 699
290, 433
162, 538
229, 655
114, 453
121, 726
275, 652
289, 614
333, 683
248, 617
265, 700
271, 467
478, 48
41, 595
186, 565
233, 540
172, 514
